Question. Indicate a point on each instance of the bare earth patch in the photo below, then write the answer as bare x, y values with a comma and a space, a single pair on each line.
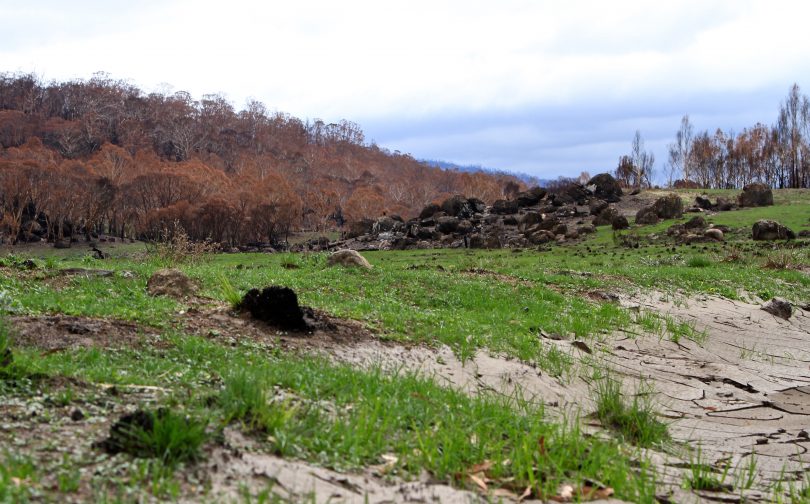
59, 332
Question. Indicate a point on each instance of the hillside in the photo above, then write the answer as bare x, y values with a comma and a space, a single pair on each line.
102, 156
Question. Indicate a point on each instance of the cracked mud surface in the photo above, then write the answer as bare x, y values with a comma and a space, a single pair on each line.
744, 393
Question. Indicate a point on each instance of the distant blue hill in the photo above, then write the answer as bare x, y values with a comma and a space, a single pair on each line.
446, 165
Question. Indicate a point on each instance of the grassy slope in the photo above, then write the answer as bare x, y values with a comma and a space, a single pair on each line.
492, 299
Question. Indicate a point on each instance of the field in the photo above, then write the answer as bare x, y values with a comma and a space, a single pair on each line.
624, 366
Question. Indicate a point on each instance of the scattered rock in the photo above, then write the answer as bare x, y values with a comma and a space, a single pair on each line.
724, 205
647, 215
697, 222
530, 197
703, 202
429, 211
771, 230
669, 206
620, 222
597, 206
505, 207
714, 234
447, 224
76, 415
275, 305
755, 195
347, 258
606, 217
170, 282
605, 187
779, 307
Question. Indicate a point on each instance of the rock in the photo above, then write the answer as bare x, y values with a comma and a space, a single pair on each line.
577, 194
275, 305
586, 229
457, 206
61, 244
755, 195
714, 234
804, 233
724, 205
560, 229
476, 205
447, 224
778, 307
76, 415
647, 215
429, 211
771, 230
530, 197
347, 258
697, 222
170, 282
548, 223
385, 224
510, 220
669, 206
484, 241
606, 217
605, 187
596, 206
504, 207
359, 228
703, 202
530, 219
620, 222
541, 236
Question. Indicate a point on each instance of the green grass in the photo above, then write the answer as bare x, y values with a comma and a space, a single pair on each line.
18, 478
425, 427
702, 476
635, 421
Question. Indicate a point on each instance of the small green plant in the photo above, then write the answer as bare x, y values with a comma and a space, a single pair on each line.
635, 421
165, 435
68, 480
229, 292
782, 260
746, 475
698, 262
703, 477
18, 475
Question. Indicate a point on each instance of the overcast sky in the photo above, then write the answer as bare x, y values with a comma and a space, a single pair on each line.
543, 87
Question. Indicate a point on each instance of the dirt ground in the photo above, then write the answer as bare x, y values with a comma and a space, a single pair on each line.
743, 392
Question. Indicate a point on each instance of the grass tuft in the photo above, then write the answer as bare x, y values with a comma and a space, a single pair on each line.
635, 421
170, 437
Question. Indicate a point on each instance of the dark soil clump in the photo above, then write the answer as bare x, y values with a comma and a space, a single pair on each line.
277, 306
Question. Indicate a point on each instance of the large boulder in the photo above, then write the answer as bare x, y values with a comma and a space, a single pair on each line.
476, 205
429, 211
170, 282
530, 219
385, 224
457, 206
347, 257
620, 222
359, 228
606, 217
771, 230
755, 195
530, 197
605, 187
447, 224
647, 215
505, 207
669, 206
596, 206
703, 202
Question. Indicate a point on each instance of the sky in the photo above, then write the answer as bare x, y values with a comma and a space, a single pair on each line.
546, 88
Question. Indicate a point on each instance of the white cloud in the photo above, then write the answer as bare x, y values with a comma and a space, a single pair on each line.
374, 61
